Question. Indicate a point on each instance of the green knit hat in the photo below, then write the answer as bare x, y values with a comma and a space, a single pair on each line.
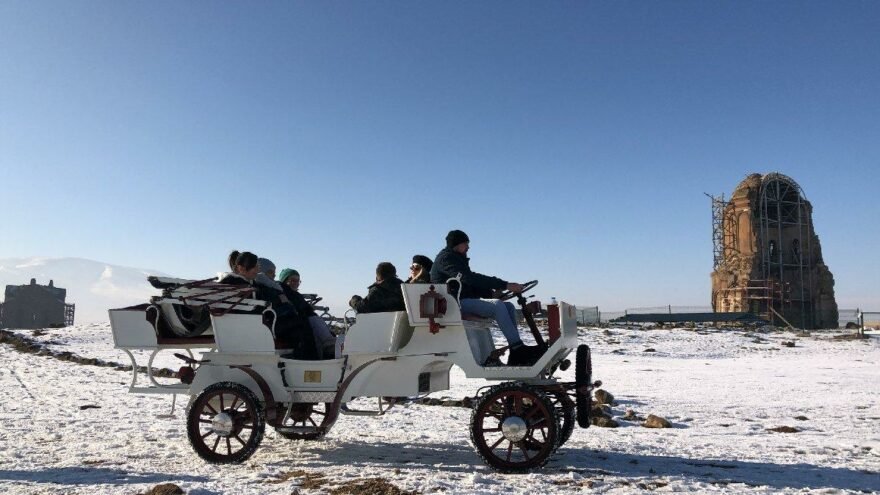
286, 273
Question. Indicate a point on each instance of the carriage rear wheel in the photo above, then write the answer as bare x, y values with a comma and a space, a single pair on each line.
306, 422
225, 423
514, 428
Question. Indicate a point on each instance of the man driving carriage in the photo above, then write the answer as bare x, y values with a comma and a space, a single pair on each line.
451, 262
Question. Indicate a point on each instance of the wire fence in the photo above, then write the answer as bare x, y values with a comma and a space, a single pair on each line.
847, 317
870, 320
592, 315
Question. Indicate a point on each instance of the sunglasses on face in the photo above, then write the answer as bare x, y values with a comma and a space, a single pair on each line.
415, 266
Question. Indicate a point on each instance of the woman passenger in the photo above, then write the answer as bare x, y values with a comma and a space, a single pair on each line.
420, 270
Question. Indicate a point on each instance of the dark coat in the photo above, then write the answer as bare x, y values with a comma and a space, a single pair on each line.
382, 296
299, 302
449, 263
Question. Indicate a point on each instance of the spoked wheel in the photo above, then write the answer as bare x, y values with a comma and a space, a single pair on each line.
565, 411
306, 422
514, 428
225, 423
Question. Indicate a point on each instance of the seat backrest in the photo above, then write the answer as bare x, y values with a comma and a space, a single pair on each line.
242, 333
378, 333
412, 294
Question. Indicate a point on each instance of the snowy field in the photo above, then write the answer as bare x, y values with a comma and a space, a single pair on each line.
722, 390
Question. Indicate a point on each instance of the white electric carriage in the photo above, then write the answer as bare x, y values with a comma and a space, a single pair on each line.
242, 380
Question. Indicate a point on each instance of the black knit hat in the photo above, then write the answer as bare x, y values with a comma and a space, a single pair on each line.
456, 237
424, 261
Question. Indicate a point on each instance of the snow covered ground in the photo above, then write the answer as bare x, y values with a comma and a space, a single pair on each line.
722, 390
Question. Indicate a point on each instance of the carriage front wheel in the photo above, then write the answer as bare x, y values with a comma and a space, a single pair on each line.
225, 423
514, 427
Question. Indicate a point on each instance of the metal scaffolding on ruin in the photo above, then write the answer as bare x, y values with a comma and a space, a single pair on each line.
782, 206
69, 311
717, 229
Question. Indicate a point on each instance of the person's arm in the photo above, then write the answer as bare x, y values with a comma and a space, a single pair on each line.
357, 303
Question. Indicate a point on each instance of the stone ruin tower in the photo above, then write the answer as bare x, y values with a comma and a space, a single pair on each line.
35, 306
768, 260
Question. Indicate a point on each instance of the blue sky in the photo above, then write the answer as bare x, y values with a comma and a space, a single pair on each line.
573, 141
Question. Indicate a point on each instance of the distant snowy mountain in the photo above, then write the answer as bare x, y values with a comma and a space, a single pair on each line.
93, 286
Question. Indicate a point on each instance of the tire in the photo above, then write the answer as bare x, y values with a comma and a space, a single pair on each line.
508, 417
583, 374
219, 417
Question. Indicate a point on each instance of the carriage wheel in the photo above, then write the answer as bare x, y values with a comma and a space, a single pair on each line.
306, 422
514, 427
565, 411
583, 375
225, 423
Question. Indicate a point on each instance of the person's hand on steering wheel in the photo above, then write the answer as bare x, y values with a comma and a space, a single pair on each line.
515, 287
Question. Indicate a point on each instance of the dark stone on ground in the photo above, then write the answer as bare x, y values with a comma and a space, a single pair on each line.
603, 422
165, 489
801, 418
603, 397
653, 421
784, 429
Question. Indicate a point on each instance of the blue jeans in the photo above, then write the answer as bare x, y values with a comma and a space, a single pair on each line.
503, 313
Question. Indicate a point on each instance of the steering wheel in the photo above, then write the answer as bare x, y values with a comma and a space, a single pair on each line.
506, 294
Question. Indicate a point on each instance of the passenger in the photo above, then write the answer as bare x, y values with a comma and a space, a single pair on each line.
452, 261
290, 326
324, 338
290, 277
384, 295
267, 274
420, 270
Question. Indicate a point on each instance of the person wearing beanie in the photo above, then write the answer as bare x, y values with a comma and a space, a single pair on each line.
290, 278
420, 270
267, 274
385, 295
324, 338
451, 262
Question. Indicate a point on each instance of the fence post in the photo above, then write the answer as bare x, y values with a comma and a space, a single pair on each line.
861, 323
670, 308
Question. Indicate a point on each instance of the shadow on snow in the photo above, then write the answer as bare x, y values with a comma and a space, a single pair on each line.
93, 476
797, 476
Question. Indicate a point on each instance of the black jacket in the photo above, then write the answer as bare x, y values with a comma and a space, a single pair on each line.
382, 296
449, 263
299, 302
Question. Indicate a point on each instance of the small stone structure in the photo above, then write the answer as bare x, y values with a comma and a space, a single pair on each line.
35, 306
768, 259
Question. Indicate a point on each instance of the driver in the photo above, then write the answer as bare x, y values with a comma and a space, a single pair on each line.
475, 287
